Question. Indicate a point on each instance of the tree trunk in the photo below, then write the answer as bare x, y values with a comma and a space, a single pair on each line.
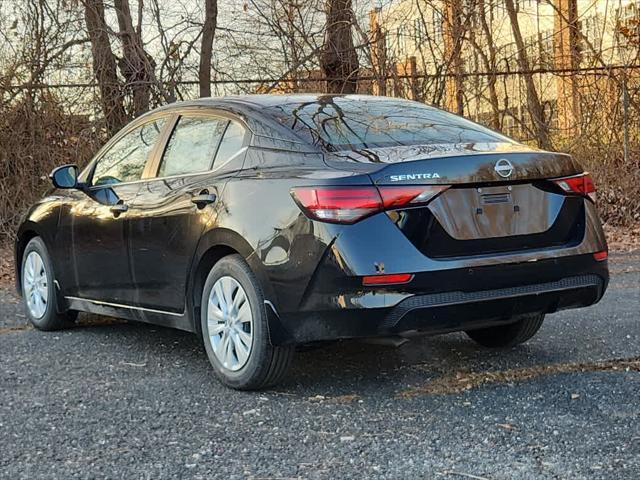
136, 65
104, 66
491, 66
339, 60
536, 111
206, 49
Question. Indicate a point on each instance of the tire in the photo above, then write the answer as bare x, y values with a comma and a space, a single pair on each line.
39, 291
505, 336
238, 362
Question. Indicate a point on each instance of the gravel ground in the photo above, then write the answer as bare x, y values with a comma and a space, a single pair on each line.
118, 400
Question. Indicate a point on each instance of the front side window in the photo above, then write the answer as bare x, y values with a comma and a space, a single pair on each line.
125, 160
192, 146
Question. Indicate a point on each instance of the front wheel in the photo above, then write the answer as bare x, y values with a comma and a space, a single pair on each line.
235, 331
505, 336
38, 288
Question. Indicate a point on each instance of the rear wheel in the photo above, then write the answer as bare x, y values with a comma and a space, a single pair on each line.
235, 330
38, 289
509, 335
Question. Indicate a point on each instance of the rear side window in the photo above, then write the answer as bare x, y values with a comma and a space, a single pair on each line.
231, 143
338, 123
192, 145
125, 160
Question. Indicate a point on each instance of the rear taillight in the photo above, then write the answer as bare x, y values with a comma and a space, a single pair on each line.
393, 197
581, 184
338, 204
350, 204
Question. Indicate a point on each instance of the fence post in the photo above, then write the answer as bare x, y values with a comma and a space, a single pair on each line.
378, 53
625, 113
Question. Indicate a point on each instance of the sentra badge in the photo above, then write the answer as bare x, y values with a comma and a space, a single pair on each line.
414, 176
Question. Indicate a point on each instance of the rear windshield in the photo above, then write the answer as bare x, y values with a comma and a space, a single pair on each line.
337, 123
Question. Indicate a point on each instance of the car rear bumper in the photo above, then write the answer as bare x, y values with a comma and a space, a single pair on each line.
447, 301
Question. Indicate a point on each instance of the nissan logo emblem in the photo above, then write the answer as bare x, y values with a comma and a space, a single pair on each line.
504, 168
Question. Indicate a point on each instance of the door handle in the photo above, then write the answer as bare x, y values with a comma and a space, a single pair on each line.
119, 208
204, 198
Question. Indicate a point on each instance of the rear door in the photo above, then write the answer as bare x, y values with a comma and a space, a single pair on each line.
173, 209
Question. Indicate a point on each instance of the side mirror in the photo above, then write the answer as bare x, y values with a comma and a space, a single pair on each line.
65, 176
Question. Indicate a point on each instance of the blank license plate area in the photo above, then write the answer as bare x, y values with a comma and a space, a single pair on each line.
500, 211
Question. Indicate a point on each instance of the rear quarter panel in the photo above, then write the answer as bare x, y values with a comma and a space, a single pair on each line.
282, 246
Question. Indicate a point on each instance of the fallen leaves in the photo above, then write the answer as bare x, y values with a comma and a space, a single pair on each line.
6, 267
622, 240
506, 426
340, 399
18, 328
463, 381
344, 399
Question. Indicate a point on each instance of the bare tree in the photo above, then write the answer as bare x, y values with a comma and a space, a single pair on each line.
104, 66
206, 49
136, 65
534, 105
294, 38
488, 54
339, 59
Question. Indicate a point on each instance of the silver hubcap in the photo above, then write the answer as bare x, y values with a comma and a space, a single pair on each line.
230, 323
35, 285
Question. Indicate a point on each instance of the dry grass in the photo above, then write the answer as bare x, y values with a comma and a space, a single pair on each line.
617, 182
36, 135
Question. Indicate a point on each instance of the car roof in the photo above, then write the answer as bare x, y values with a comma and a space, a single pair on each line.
253, 108
257, 111
258, 101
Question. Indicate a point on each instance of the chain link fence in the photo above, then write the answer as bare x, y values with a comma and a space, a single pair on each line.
592, 113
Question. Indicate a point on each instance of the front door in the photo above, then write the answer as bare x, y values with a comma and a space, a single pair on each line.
173, 209
97, 219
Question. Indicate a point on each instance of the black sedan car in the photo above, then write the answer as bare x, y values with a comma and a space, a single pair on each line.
265, 222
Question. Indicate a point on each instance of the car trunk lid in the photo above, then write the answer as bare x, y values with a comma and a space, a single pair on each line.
455, 163
497, 201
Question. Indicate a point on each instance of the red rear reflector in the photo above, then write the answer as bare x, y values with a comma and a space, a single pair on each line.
581, 184
600, 256
350, 204
390, 279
